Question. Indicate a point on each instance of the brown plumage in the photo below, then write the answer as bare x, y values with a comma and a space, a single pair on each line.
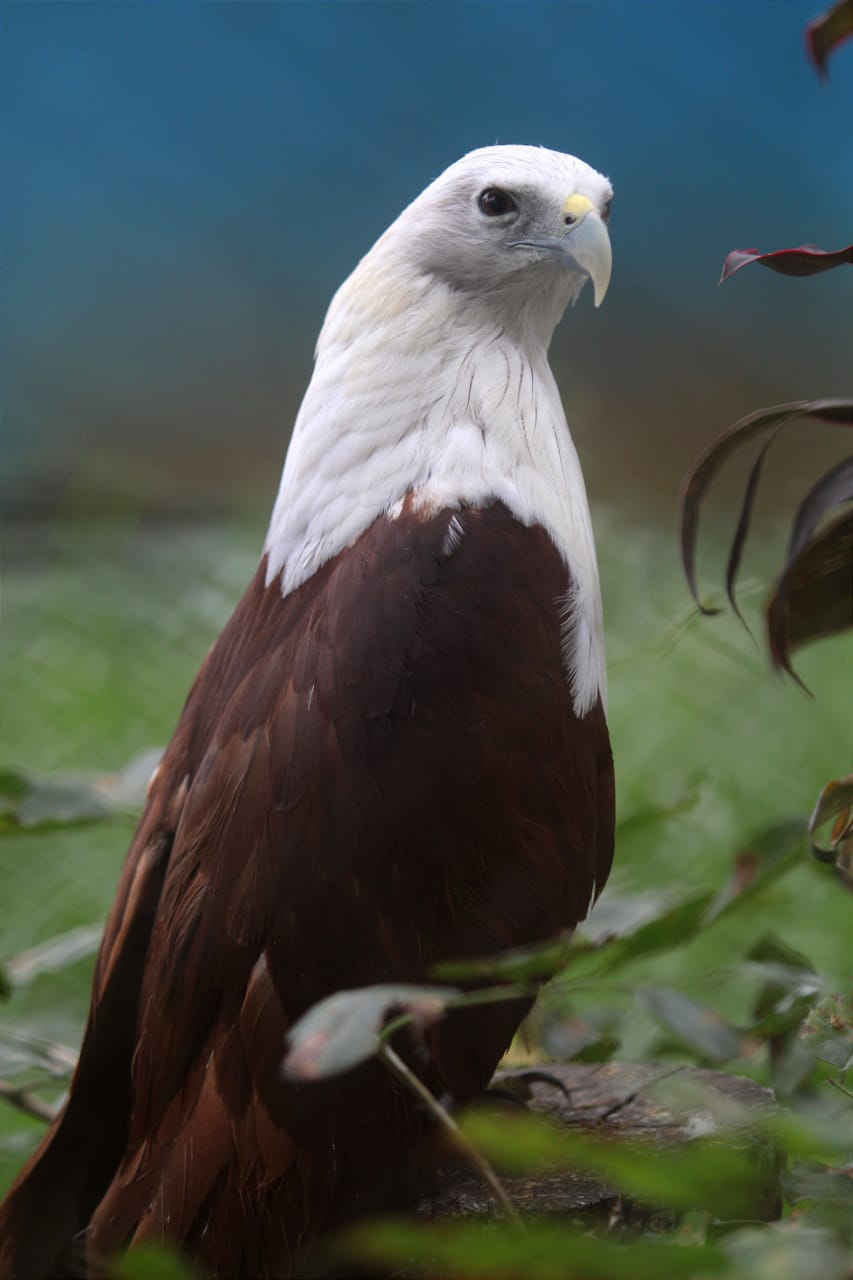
379, 771
395, 754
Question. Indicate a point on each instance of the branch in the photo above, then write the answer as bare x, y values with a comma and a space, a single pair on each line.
475, 1158
836, 1084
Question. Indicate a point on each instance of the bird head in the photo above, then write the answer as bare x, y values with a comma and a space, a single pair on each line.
432, 379
513, 223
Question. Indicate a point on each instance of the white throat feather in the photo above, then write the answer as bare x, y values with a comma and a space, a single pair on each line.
445, 393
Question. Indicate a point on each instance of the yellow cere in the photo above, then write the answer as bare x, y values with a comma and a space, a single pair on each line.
577, 206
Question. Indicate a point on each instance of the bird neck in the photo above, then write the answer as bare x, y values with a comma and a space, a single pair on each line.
416, 390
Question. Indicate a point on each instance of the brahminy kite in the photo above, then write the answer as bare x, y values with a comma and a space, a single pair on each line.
396, 753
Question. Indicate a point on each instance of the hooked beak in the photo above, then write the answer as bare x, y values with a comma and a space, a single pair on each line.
586, 244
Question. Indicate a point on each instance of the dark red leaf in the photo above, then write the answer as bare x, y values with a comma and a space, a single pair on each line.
831, 490
827, 32
814, 597
697, 481
743, 523
804, 260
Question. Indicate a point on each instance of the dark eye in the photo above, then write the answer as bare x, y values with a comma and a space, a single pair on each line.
494, 203
605, 212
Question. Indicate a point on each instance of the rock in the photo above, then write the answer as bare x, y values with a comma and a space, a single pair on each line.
661, 1107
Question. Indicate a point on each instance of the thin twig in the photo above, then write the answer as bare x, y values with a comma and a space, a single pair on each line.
836, 1084
635, 1093
26, 1101
475, 1158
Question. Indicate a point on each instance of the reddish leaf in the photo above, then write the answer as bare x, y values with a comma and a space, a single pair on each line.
813, 598
827, 32
804, 260
827, 1032
744, 519
831, 490
823, 568
697, 481
835, 801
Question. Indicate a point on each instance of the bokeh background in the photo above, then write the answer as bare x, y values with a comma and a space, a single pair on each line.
184, 186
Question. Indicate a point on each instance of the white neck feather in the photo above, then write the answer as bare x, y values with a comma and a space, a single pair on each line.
420, 387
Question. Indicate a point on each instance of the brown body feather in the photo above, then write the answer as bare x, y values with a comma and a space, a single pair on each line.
379, 771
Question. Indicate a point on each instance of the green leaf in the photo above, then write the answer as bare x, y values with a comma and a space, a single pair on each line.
22, 1052
696, 1025
521, 964
31, 801
827, 1032
820, 1133
575, 1039
808, 1180
675, 925
786, 1251
789, 987
151, 1262
657, 814
13, 786
703, 1174
345, 1029
35, 802
616, 915
772, 852
55, 954
541, 1252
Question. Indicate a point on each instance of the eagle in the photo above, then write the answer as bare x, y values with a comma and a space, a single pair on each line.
396, 753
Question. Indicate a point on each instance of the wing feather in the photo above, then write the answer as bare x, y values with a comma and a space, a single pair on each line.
379, 771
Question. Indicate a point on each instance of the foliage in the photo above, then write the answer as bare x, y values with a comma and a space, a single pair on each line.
677, 962
812, 599
150, 1262
827, 32
835, 801
812, 596
805, 260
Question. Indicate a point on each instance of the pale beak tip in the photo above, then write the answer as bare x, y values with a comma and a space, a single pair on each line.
590, 247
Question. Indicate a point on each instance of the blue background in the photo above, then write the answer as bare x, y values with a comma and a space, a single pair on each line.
184, 185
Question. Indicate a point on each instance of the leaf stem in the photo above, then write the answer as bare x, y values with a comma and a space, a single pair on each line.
475, 1158
836, 1084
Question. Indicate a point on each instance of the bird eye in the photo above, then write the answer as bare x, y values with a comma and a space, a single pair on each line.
605, 212
493, 202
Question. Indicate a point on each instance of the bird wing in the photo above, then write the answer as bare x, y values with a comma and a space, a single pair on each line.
378, 771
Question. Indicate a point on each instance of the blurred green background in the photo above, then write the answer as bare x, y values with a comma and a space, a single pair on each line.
185, 185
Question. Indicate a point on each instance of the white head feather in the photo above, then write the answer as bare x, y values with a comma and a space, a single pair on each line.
432, 376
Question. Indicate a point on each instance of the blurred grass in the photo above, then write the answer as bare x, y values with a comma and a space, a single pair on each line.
105, 624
